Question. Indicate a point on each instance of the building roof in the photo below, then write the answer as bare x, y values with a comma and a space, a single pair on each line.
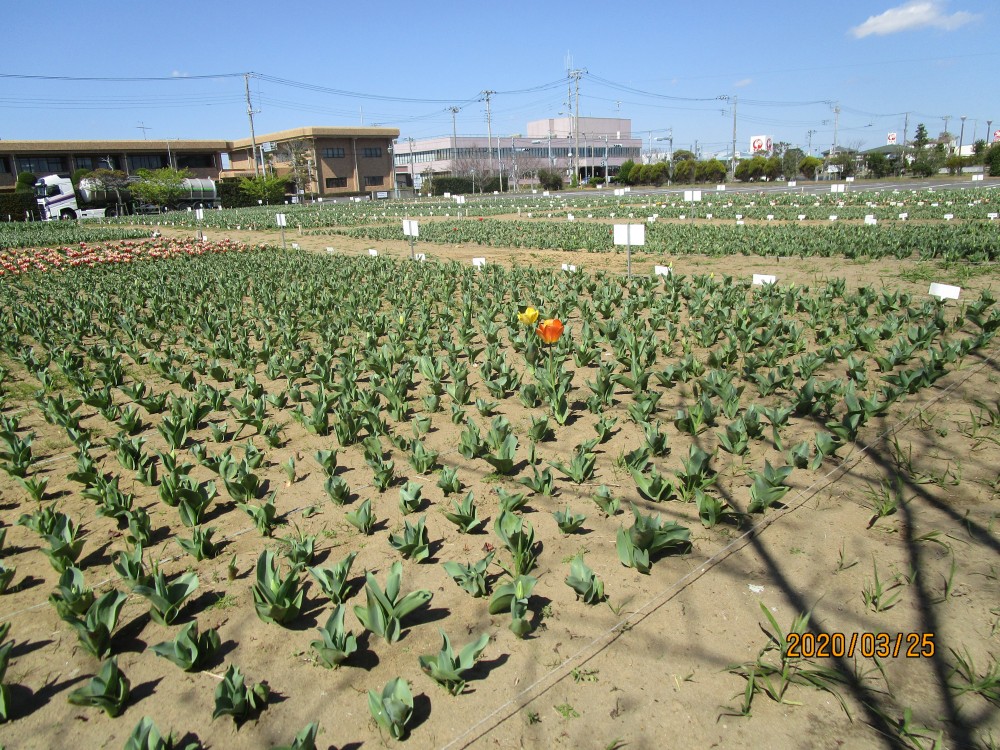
892, 150
99, 146
313, 132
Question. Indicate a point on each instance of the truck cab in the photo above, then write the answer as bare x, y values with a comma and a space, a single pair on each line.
57, 200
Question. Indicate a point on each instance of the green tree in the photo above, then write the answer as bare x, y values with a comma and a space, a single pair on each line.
921, 139
809, 166
25, 182
922, 168
791, 157
625, 172
954, 164
267, 188
878, 164
844, 160
683, 154
298, 154
550, 180
712, 170
161, 187
992, 160
684, 170
751, 169
772, 168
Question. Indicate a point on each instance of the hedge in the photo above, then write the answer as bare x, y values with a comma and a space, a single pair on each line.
15, 205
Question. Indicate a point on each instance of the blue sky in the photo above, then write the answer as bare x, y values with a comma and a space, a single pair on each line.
662, 64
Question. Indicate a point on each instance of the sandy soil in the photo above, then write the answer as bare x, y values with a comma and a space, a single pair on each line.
649, 668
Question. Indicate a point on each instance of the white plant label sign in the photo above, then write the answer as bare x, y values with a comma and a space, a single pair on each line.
630, 234
944, 291
759, 279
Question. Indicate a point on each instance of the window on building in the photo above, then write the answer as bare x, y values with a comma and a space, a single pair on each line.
373, 181
4, 166
333, 153
194, 161
41, 165
146, 161
372, 152
336, 182
84, 162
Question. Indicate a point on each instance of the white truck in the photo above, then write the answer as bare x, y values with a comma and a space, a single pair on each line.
58, 200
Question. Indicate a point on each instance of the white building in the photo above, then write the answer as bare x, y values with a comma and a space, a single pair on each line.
596, 147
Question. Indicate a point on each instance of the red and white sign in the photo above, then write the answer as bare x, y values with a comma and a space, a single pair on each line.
760, 144
996, 136
890, 140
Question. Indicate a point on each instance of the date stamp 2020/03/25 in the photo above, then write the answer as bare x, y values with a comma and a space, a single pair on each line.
837, 645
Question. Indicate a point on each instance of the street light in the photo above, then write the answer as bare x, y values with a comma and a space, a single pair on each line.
551, 163
670, 154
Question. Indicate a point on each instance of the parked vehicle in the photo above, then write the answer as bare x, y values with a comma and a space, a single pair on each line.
58, 200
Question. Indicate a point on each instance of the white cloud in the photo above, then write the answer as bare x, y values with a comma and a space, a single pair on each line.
915, 14
743, 82
179, 74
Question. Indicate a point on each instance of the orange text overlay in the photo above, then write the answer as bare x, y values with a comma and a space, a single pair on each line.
868, 645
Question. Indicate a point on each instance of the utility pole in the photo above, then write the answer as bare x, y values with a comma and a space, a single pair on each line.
732, 99
946, 118
809, 135
989, 132
961, 142
250, 114
454, 131
670, 164
142, 126
734, 138
575, 75
836, 126
906, 128
489, 128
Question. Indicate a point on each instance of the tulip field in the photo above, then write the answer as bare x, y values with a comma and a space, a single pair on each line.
265, 497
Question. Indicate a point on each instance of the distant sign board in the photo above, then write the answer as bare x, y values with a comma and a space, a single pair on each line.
890, 139
761, 144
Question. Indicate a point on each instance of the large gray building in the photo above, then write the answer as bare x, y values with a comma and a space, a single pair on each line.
593, 146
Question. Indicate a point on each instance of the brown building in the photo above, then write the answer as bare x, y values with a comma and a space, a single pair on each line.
320, 161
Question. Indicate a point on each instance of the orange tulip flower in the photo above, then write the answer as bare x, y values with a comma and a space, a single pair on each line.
550, 330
